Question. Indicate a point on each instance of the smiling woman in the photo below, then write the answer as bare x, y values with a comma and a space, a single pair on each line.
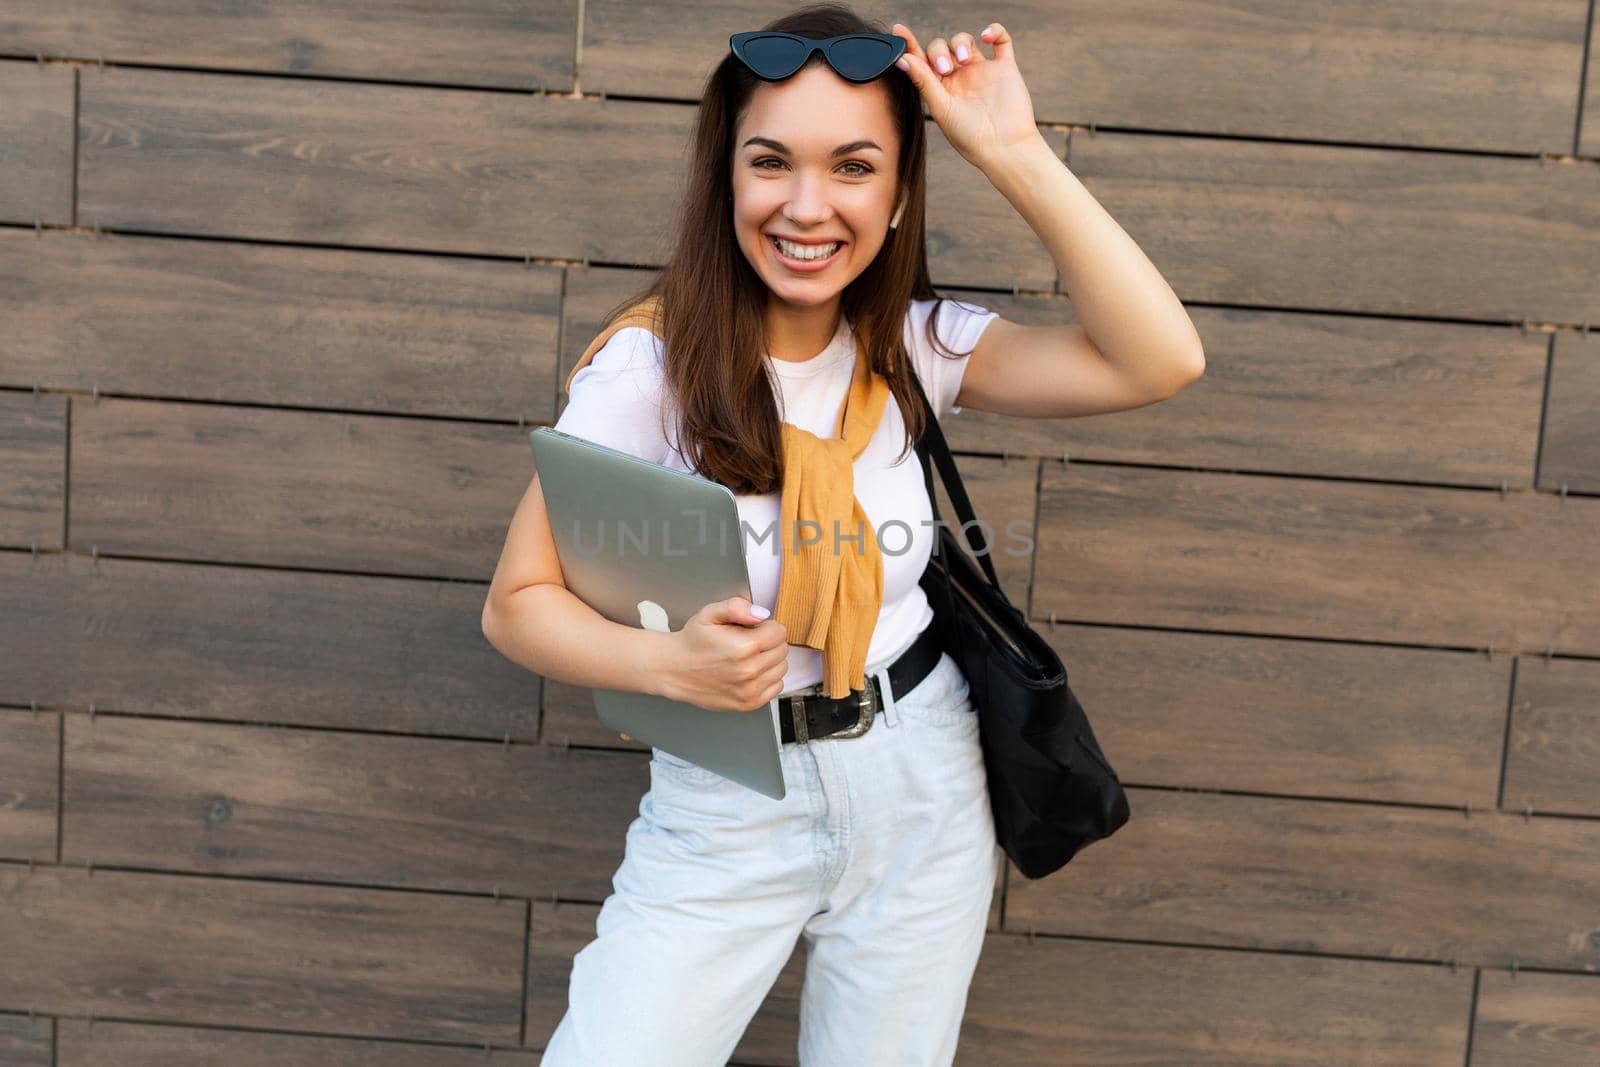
778, 352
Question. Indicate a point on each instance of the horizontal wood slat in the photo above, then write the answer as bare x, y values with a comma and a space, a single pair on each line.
120, 1044
1571, 454
1529, 1019
26, 1042
1309, 558
255, 645
1303, 718
33, 469
421, 497
315, 805
521, 45
225, 951
1042, 1002
1414, 72
1368, 230
36, 143
1554, 743
30, 759
1332, 877
378, 166
1330, 395
296, 327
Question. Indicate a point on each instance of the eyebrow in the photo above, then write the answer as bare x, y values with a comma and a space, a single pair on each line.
842, 150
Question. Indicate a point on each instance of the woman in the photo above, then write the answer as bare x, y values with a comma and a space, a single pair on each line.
779, 341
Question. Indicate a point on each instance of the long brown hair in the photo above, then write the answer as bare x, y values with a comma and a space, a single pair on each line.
713, 302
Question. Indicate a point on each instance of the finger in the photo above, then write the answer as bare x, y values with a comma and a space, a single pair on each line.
900, 29
939, 57
626, 737
915, 64
998, 36
966, 49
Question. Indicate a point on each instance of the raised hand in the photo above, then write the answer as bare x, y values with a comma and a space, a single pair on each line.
981, 104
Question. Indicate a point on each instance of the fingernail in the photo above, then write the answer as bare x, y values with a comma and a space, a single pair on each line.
961, 52
902, 64
759, 612
943, 64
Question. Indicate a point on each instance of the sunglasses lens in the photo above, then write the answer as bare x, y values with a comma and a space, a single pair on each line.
774, 57
861, 57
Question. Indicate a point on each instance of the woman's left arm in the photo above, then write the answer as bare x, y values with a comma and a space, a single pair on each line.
1135, 343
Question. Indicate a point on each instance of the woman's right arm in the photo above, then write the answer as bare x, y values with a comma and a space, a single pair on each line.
534, 620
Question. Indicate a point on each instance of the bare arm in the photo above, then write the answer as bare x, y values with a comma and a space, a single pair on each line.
548, 630
534, 620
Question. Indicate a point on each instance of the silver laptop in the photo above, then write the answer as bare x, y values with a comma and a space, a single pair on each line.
646, 545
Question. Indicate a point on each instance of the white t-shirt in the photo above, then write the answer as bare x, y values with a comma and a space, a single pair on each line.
617, 400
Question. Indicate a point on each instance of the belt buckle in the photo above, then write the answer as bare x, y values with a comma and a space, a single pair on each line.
797, 714
868, 711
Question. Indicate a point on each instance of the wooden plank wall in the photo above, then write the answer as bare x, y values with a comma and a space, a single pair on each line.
284, 286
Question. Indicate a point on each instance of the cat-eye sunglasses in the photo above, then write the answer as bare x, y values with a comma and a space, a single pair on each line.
857, 57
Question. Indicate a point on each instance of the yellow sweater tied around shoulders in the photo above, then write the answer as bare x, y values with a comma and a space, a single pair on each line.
831, 583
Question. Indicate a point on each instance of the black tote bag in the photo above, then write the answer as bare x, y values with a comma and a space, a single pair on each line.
1051, 788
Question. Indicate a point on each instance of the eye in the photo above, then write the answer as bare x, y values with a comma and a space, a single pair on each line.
761, 164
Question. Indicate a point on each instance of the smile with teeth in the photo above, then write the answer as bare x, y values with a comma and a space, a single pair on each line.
794, 251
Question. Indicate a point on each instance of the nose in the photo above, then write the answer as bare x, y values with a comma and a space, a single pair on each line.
808, 206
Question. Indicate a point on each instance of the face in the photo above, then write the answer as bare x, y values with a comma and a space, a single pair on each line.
788, 182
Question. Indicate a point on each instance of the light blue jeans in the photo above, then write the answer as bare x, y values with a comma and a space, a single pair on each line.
882, 855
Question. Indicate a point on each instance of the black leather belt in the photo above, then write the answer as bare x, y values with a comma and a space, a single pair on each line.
810, 715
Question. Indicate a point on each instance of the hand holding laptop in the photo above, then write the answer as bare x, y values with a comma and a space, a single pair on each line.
720, 667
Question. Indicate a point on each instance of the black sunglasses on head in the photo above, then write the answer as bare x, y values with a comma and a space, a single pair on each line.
857, 57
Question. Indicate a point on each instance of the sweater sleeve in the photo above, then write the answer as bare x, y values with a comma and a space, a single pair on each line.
959, 325
617, 399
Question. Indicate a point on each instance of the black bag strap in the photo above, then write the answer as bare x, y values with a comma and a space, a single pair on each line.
932, 443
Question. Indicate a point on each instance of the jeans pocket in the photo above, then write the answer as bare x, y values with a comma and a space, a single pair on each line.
942, 699
681, 769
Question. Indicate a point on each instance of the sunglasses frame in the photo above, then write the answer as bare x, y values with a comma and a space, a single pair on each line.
825, 45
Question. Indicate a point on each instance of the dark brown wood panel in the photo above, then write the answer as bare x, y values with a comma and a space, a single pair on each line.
33, 469
1555, 737
1331, 877
208, 320
119, 1044
36, 143
25, 1042
1301, 718
378, 165
1368, 230
30, 757
526, 44
251, 644
1312, 394
321, 806
560, 931
290, 488
1529, 1019
1570, 455
1047, 1001
265, 955
1416, 72
160, 152
1311, 558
